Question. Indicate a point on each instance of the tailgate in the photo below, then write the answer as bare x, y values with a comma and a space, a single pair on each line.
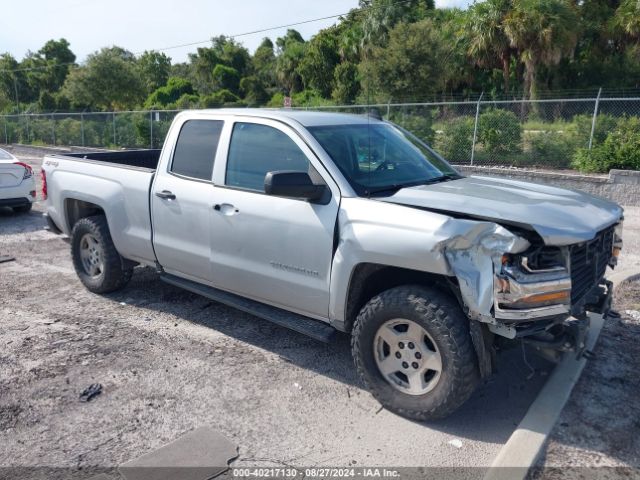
11, 174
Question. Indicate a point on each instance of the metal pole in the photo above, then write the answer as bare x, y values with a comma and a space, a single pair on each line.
15, 86
114, 128
53, 128
82, 127
28, 135
388, 109
6, 136
595, 114
475, 129
151, 129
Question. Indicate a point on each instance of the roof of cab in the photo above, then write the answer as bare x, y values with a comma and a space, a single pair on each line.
304, 117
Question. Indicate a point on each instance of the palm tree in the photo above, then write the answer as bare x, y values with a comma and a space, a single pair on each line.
544, 32
488, 44
627, 18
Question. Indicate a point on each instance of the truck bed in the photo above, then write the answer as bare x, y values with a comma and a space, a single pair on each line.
147, 159
116, 183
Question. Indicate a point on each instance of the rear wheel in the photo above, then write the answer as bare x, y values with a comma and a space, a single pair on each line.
98, 264
412, 348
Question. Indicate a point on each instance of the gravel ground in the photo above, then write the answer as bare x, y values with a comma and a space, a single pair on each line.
600, 426
170, 361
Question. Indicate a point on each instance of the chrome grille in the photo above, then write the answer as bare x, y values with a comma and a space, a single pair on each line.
589, 262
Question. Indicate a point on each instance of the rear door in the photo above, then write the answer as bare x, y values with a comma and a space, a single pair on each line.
181, 198
273, 249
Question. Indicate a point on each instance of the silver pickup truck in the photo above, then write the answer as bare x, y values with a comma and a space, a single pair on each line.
322, 222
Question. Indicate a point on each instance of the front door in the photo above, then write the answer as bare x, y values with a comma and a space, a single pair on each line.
272, 249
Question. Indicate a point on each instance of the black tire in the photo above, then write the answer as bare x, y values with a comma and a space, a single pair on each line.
115, 274
26, 208
441, 317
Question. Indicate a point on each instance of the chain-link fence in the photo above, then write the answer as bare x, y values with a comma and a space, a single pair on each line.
135, 129
522, 133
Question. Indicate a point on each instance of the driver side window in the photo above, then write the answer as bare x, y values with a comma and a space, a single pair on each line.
257, 149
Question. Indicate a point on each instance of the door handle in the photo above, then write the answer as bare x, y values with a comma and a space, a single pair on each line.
166, 194
226, 209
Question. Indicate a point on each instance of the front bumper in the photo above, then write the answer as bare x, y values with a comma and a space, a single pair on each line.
568, 334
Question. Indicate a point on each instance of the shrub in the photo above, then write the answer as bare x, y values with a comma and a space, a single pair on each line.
277, 101
500, 132
551, 148
420, 124
579, 130
455, 141
621, 149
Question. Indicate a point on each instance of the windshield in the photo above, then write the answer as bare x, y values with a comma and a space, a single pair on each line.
381, 157
5, 155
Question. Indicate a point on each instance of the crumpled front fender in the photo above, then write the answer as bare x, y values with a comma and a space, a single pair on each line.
474, 252
411, 238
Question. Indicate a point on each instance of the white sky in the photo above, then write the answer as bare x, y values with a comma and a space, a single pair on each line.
142, 25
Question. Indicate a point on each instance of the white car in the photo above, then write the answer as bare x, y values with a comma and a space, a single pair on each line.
17, 183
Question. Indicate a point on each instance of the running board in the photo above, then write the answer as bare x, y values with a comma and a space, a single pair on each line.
307, 326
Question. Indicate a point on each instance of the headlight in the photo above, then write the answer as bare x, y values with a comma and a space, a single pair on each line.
617, 244
532, 280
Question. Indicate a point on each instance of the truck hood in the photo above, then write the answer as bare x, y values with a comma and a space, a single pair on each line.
559, 216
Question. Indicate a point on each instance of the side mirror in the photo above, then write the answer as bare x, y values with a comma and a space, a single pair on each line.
292, 184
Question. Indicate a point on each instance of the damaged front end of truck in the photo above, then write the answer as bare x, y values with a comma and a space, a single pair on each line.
517, 288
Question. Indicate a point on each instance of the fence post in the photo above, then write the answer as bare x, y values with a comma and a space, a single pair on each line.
82, 127
115, 142
28, 134
151, 129
595, 114
388, 109
475, 129
53, 129
6, 136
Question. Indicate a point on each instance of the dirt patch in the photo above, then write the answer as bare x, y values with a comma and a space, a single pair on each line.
600, 425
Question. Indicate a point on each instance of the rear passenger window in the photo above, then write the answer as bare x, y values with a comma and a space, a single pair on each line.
196, 148
257, 149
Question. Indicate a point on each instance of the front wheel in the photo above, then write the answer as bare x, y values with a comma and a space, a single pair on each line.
412, 348
97, 262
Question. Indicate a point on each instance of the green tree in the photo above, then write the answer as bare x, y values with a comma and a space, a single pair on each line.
108, 81
291, 50
488, 44
59, 59
627, 19
224, 51
253, 91
12, 80
226, 78
264, 62
543, 31
346, 83
380, 16
319, 62
155, 69
411, 66
170, 93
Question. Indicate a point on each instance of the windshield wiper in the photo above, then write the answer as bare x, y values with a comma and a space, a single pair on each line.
445, 178
397, 186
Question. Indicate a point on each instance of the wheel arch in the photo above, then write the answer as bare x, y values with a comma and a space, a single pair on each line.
369, 279
76, 209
